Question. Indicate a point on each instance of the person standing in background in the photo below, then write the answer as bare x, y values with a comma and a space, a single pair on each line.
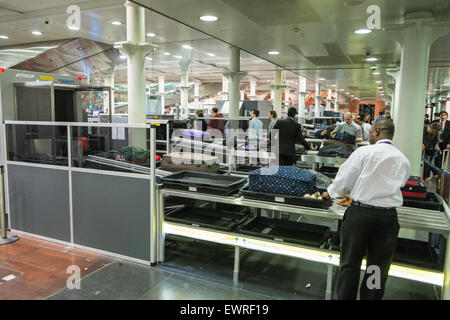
255, 125
273, 119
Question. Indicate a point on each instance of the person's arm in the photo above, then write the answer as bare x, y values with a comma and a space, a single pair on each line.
301, 138
347, 175
358, 134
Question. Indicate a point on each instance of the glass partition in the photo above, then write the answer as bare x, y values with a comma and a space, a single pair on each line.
44, 144
111, 148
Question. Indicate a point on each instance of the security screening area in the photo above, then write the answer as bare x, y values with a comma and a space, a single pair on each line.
213, 150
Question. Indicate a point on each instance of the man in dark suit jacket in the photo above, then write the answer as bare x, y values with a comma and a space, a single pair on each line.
289, 133
445, 124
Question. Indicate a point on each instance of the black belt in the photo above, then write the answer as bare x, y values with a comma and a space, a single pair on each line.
362, 205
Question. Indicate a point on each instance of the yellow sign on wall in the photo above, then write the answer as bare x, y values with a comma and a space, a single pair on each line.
46, 78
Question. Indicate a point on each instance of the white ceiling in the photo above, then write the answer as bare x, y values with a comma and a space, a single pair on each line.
315, 38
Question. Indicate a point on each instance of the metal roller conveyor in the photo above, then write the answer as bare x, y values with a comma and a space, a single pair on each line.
125, 166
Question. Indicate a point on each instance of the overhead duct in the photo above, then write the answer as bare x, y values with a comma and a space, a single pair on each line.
73, 57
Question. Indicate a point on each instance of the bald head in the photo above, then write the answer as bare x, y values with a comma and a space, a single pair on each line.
382, 129
348, 118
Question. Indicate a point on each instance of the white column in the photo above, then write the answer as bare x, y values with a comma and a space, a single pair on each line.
277, 87
329, 100
162, 91
136, 49
197, 84
184, 97
242, 96
302, 93
415, 37
286, 96
336, 101
395, 74
318, 98
253, 84
235, 76
225, 91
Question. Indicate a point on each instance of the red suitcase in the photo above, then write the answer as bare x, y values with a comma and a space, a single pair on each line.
414, 188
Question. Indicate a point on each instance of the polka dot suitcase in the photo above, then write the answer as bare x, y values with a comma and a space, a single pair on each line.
282, 180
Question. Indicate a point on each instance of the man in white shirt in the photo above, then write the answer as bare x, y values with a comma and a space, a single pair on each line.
365, 127
255, 125
372, 176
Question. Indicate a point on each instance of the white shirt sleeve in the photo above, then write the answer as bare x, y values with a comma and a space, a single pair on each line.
347, 175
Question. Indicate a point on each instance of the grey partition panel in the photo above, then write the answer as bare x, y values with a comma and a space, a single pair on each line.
112, 213
39, 201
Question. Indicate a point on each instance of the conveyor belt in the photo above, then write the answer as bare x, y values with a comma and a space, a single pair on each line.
409, 218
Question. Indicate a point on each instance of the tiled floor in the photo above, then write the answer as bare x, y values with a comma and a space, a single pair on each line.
192, 270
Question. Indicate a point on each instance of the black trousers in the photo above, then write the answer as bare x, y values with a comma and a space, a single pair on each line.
287, 160
370, 232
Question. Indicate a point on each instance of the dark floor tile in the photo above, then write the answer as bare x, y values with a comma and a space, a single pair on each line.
120, 280
288, 278
179, 287
207, 261
403, 289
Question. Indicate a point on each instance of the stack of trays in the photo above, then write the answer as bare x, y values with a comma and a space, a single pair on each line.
286, 231
201, 182
207, 218
283, 199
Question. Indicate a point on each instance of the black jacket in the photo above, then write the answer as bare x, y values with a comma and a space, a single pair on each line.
445, 135
290, 133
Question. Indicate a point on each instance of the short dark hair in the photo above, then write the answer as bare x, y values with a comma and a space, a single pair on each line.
292, 112
437, 113
360, 118
427, 115
273, 113
444, 112
256, 112
435, 126
386, 127
215, 109
380, 113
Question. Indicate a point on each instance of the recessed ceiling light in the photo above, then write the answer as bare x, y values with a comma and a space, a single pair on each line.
74, 28
321, 79
167, 53
333, 85
123, 57
148, 58
208, 18
446, 84
379, 81
347, 93
273, 53
211, 54
151, 34
187, 47
363, 31
268, 80
36, 33
341, 89
116, 23
372, 59
178, 57
353, 3
375, 73
4, 37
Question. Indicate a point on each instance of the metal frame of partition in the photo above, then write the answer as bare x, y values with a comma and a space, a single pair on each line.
149, 175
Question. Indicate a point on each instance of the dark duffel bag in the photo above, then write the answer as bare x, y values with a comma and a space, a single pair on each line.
282, 180
336, 150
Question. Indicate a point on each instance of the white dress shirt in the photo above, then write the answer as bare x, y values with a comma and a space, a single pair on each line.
373, 175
